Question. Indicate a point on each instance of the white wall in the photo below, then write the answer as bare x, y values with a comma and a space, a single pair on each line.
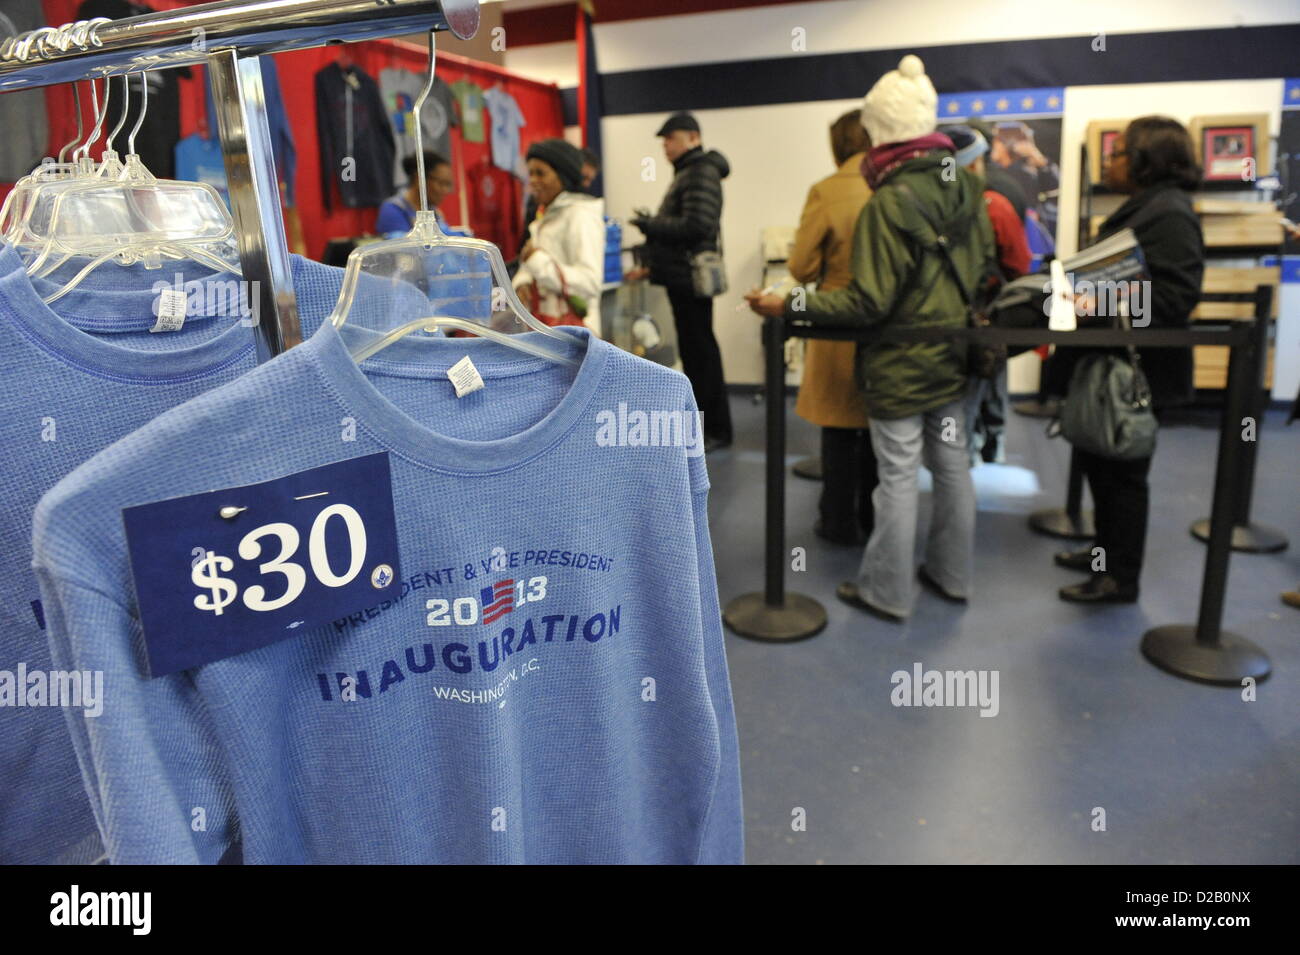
776, 153
837, 26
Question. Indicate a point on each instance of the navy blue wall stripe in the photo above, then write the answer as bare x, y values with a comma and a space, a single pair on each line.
1178, 55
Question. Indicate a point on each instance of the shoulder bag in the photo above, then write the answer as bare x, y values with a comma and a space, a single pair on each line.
1107, 411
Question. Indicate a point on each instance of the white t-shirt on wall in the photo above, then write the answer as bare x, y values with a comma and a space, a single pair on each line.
507, 119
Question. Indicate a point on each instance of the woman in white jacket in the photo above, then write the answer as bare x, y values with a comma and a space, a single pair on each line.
562, 266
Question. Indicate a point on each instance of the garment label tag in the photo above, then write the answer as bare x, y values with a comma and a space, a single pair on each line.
464, 377
171, 310
225, 572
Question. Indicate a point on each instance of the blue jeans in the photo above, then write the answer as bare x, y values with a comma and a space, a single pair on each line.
939, 438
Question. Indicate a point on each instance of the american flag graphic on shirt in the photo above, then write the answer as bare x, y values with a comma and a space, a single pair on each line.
498, 600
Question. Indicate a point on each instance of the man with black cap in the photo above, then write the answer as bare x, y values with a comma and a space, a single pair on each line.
690, 221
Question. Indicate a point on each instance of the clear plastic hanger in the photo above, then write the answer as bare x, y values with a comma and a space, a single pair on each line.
110, 163
22, 201
131, 217
464, 280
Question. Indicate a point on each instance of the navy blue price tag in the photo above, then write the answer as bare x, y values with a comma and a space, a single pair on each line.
224, 572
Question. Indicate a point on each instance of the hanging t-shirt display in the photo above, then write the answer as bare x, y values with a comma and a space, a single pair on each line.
495, 209
91, 350
469, 97
356, 141
400, 88
540, 679
507, 119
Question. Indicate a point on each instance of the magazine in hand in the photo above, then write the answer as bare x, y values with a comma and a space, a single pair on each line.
1116, 258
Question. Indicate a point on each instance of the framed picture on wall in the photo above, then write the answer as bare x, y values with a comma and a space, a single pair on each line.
1232, 148
1101, 137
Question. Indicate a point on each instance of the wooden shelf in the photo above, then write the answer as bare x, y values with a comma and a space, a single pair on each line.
1210, 362
1227, 279
1232, 231
1239, 207
1210, 367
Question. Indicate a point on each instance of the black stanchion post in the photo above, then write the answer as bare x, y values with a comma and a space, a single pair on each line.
1248, 537
775, 615
774, 375
1205, 652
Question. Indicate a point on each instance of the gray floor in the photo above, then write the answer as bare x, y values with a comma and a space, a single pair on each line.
1185, 773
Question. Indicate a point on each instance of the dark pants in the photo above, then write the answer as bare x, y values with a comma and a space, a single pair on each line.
848, 478
1120, 497
702, 360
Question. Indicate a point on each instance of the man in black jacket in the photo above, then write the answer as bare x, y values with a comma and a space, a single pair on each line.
690, 221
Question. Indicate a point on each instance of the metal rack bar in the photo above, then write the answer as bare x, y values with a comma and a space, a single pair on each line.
228, 37
255, 199
187, 36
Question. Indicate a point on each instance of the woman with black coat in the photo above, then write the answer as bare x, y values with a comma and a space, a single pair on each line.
1154, 163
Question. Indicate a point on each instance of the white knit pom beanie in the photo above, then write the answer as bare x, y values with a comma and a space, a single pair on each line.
902, 105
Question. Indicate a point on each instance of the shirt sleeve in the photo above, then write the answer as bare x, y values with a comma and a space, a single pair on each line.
1175, 255
723, 838
391, 219
882, 263
580, 256
450, 104
1009, 233
325, 133
806, 259
701, 210
150, 761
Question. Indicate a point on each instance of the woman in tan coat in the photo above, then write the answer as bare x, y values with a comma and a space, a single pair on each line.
829, 396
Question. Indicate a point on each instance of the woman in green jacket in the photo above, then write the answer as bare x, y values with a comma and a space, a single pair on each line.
913, 390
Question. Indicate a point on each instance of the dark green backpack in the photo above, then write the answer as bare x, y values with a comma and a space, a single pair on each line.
982, 361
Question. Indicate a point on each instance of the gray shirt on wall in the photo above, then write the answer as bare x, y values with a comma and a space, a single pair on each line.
399, 89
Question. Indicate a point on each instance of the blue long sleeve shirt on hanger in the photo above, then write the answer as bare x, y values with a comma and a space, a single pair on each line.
590, 722
74, 377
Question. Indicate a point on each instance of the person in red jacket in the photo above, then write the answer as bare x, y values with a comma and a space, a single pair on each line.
987, 407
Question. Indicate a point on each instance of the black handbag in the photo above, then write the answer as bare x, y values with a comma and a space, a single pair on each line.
1108, 411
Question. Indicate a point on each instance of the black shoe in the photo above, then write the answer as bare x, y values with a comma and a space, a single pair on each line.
934, 585
1100, 589
848, 592
716, 444
1074, 560
845, 540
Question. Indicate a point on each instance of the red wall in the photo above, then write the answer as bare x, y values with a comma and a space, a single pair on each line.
539, 102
